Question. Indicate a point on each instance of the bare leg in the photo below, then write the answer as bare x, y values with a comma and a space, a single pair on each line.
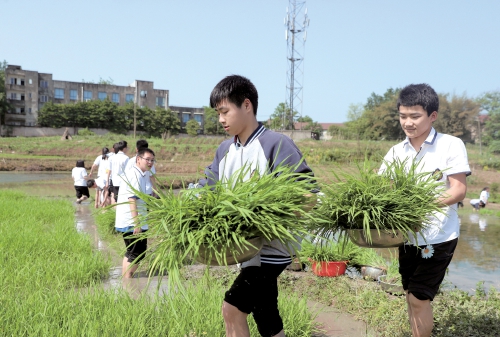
420, 315
128, 270
235, 321
97, 198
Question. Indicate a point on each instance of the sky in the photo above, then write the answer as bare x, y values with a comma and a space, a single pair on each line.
353, 48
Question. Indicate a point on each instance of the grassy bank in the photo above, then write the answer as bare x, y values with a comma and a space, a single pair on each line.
51, 281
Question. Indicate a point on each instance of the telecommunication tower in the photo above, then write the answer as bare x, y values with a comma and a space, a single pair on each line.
296, 23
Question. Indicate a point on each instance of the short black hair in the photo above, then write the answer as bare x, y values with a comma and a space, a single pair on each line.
121, 145
90, 183
141, 143
80, 163
144, 150
419, 94
235, 89
115, 148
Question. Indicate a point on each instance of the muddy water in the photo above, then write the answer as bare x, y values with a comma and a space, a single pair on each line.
477, 257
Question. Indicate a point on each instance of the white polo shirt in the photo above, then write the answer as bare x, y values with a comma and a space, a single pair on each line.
103, 165
131, 164
137, 180
117, 164
448, 154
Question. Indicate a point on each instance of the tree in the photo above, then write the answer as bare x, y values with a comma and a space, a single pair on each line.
305, 119
456, 116
161, 123
212, 125
4, 104
192, 127
283, 118
490, 102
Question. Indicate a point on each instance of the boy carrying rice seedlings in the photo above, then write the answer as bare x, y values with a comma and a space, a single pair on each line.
255, 290
130, 206
423, 262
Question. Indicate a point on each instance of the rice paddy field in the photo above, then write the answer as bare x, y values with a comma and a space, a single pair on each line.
52, 276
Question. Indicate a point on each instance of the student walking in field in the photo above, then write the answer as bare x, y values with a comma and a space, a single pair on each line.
143, 144
79, 175
255, 290
131, 209
423, 262
101, 163
117, 164
482, 201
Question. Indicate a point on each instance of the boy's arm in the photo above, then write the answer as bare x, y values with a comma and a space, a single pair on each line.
457, 190
134, 214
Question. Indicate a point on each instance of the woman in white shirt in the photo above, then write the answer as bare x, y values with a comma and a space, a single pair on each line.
80, 177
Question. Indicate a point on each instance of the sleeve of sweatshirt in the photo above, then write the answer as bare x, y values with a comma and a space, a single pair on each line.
212, 170
283, 150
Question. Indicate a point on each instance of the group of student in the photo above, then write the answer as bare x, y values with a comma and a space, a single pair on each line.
422, 261
118, 180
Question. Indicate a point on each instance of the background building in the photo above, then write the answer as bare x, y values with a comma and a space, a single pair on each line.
27, 91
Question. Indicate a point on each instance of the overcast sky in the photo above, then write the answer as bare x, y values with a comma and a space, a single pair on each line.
353, 48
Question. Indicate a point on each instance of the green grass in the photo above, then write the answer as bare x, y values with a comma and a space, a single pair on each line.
51, 284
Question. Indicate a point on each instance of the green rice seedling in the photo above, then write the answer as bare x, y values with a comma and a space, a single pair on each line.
324, 250
398, 200
368, 257
223, 217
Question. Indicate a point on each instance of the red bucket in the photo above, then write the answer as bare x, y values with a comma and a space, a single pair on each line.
329, 269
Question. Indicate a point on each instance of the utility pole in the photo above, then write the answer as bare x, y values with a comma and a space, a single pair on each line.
135, 108
296, 23
479, 134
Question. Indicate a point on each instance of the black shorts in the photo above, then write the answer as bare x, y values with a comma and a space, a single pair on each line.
136, 248
423, 276
255, 291
82, 190
116, 189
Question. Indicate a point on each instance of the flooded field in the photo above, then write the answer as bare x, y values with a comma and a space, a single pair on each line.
477, 258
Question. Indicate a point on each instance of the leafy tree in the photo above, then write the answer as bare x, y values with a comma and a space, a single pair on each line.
212, 125
192, 127
305, 119
4, 104
490, 102
283, 118
456, 115
51, 115
161, 122
356, 125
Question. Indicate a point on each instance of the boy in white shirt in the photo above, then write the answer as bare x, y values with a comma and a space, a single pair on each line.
117, 164
423, 264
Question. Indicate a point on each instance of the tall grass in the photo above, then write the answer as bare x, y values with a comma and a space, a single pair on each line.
50, 280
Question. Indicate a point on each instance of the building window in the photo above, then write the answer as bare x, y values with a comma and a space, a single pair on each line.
44, 98
87, 95
129, 98
29, 110
198, 118
12, 80
29, 94
59, 93
30, 81
73, 95
102, 95
144, 93
185, 117
160, 101
44, 84
13, 95
116, 97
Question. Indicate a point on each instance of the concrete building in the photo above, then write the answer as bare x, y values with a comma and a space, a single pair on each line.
28, 91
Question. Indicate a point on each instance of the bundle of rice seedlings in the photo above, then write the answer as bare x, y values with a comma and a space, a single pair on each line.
398, 201
368, 257
222, 218
326, 250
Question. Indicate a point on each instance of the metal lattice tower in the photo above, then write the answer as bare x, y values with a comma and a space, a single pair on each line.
296, 22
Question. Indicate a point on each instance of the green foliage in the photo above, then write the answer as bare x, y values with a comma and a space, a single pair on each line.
490, 102
456, 115
160, 122
305, 119
4, 104
85, 132
192, 128
222, 217
399, 199
324, 250
283, 117
368, 257
212, 125
494, 147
